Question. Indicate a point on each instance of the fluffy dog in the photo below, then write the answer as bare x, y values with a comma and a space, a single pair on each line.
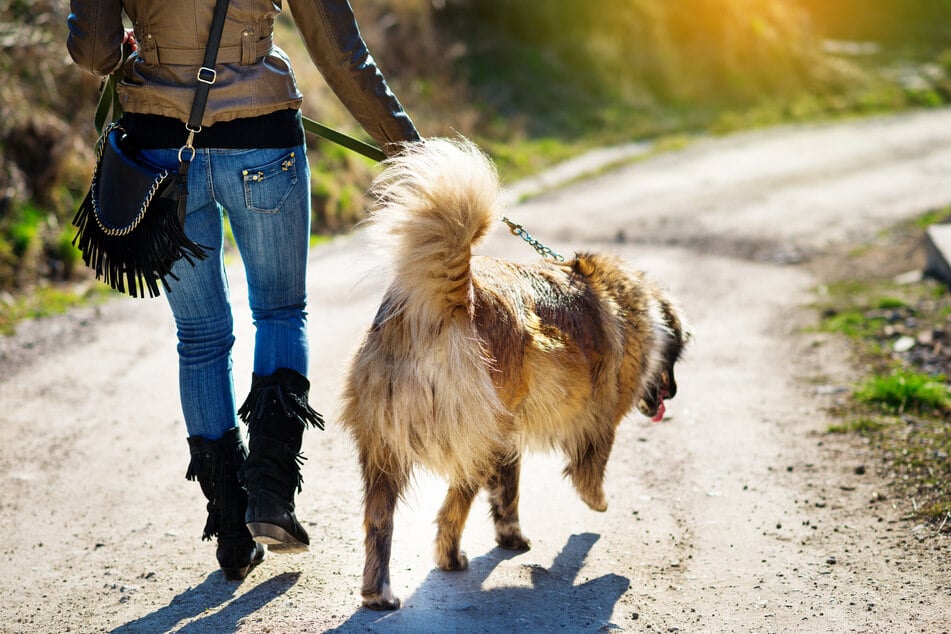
471, 360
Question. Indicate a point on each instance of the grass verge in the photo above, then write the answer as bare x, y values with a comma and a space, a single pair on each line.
47, 300
900, 327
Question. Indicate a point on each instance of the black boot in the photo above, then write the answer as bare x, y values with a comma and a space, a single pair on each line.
215, 464
277, 413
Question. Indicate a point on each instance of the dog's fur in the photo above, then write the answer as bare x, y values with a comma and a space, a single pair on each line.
470, 360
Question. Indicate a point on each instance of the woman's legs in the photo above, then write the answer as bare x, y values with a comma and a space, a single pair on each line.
267, 195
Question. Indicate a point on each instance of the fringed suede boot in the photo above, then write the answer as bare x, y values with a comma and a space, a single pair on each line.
277, 413
215, 464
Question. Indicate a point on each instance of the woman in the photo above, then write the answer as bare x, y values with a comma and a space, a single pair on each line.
250, 160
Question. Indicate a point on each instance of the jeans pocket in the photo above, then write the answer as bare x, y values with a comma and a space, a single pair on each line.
266, 187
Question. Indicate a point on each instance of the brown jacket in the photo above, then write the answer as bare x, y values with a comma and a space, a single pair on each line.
254, 76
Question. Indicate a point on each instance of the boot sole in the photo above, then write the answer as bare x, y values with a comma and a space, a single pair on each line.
277, 539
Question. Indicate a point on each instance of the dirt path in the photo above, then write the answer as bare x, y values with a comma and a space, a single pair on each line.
737, 514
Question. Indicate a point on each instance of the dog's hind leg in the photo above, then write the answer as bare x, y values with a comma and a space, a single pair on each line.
451, 520
383, 480
503, 499
586, 465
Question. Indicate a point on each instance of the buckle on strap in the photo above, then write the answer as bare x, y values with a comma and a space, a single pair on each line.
207, 75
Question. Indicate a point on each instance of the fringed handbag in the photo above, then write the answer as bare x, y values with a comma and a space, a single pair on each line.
132, 222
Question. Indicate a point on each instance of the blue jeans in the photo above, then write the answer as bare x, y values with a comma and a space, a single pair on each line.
266, 193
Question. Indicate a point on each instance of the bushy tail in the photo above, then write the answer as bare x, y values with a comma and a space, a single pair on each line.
419, 390
433, 203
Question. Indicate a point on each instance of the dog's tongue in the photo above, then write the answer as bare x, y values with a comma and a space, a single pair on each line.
659, 416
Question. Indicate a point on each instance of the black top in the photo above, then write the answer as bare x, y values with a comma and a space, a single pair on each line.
281, 129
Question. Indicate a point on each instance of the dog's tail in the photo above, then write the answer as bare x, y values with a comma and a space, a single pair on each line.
434, 201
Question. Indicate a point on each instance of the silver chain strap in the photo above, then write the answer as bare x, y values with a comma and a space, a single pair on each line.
108, 229
518, 230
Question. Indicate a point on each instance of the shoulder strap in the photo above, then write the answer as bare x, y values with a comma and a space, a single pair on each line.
207, 74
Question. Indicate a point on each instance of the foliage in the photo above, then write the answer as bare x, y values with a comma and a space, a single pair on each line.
685, 50
338, 179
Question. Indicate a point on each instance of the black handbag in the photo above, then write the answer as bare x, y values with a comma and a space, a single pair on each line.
131, 225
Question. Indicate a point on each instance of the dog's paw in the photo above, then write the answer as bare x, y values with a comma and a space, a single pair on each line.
508, 535
382, 604
596, 502
453, 561
384, 600
513, 542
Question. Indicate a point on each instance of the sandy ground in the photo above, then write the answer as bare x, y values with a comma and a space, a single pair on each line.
736, 514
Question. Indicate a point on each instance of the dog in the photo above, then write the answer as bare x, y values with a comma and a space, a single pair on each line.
472, 360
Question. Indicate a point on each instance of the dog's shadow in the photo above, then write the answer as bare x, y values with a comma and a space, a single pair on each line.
457, 602
211, 592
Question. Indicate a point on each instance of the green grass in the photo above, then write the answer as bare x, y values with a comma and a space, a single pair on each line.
933, 217
885, 303
903, 417
861, 425
853, 323
906, 390
45, 301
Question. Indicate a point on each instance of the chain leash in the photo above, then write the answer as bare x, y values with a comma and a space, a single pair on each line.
518, 230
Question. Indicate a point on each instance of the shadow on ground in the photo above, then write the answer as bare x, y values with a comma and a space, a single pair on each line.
208, 595
457, 602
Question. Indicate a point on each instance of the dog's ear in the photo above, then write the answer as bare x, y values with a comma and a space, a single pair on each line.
674, 320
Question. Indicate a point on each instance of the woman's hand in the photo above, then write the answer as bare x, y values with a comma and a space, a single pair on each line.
128, 40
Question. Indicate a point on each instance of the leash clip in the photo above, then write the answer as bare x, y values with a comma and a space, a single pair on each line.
519, 230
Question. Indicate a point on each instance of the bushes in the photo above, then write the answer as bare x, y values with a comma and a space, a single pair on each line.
47, 111
573, 67
703, 50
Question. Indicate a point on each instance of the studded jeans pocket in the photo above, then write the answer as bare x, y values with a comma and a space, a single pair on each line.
266, 187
